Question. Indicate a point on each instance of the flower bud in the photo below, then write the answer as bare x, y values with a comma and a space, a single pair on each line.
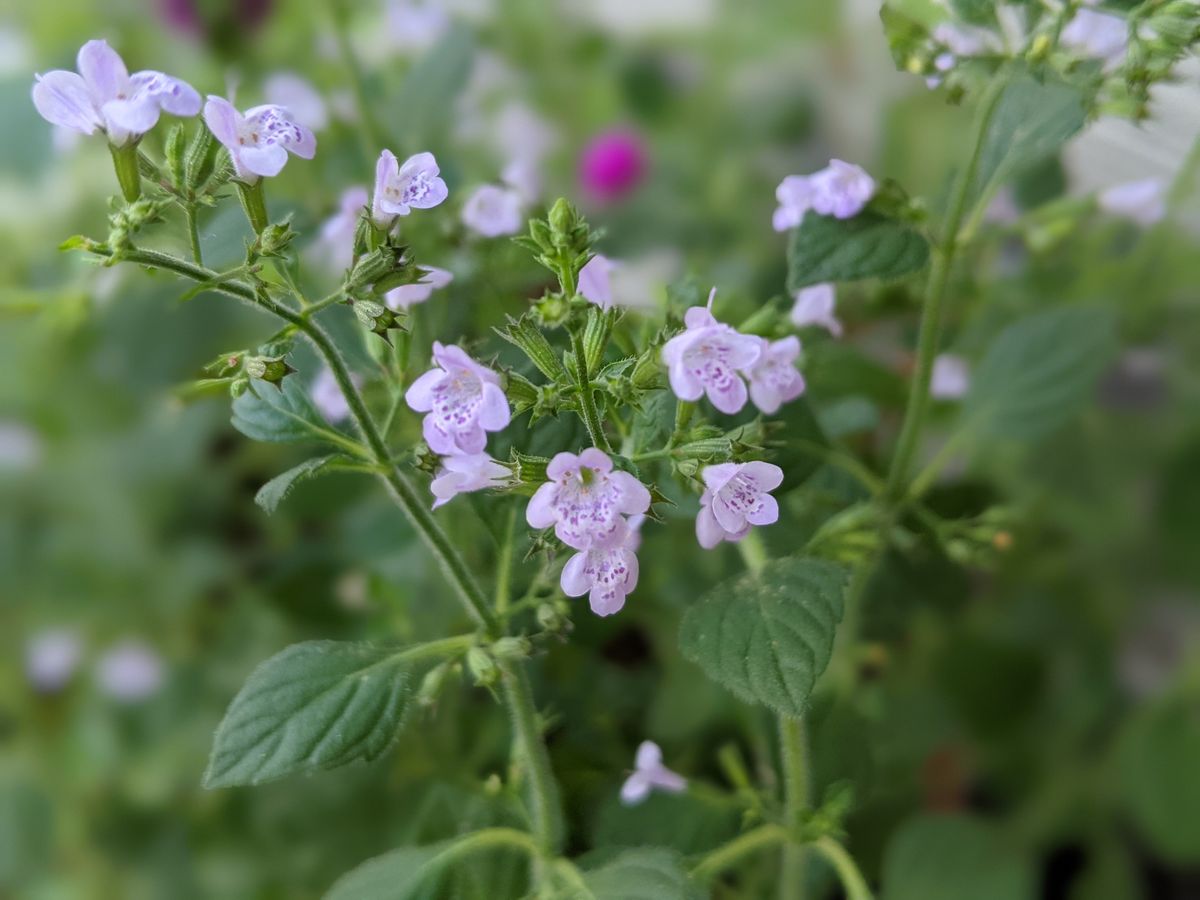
174, 150
271, 369
482, 667
238, 386
373, 266
550, 619
511, 648
201, 158
431, 684
274, 240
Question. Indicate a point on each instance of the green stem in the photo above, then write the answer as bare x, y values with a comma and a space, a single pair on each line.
931, 314
254, 202
193, 226
793, 748
847, 870
125, 162
504, 564
545, 804
754, 554
587, 402
727, 855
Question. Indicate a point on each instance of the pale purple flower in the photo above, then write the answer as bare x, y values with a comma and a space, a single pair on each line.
606, 574
130, 671
735, 498
336, 241
966, 40
297, 95
523, 174
406, 295
708, 358
416, 26
814, 306
1098, 35
463, 400
612, 164
493, 211
104, 95
462, 473
1142, 201
51, 659
20, 447
841, 189
951, 377
650, 774
328, 398
795, 194
586, 500
595, 281
259, 140
520, 132
774, 379
399, 189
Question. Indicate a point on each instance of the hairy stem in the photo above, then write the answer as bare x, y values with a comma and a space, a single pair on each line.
254, 202
193, 227
727, 855
793, 748
587, 402
125, 162
847, 871
545, 804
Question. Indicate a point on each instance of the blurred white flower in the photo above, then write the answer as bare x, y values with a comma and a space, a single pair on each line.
1143, 201
328, 398
635, 18
814, 306
416, 25
298, 95
493, 211
130, 671
20, 447
524, 176
951, 377
16, 52
1098, 35
406, 295
335, 245
650, 774
51, 658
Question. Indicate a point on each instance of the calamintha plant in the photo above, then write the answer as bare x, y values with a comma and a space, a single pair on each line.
684, 412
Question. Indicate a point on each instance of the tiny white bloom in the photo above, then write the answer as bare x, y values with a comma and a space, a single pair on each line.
51, 658
130, 671
951, 377
407, 295
1098, 35
1142, 201
815, 306
296, 94
650, 774
493, 211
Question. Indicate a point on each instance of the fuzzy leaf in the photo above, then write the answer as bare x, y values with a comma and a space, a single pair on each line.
647, 873
406, 873
951, 857
768, 636
868, 245
266, 413
275, 491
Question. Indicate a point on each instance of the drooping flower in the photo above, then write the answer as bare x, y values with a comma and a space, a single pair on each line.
774, 379
51, 658
841, 189
408, 294
1098, 35
298, 96
336, 241
463, 401
814, 306
595, 281
612, 164
586, 500
735, 498
606, 574
1142, 201
466, 472
709, 359
104, 95
650, 774
258, 140
951, 377
130, 671
399, 189
493, 211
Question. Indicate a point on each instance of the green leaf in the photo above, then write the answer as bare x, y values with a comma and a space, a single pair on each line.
275, 491
951, 857
647, 873
265, 413
430, 87
768, 636
1039, 371
868, 245
407, 873
1032, 119
316, 705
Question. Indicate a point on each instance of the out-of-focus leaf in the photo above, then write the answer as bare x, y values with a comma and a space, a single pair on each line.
26, 832
768, 636
428, 92
407, 873
266, 413
275, 491
951, 857
799, 441
647, 873
683, 822
868, 245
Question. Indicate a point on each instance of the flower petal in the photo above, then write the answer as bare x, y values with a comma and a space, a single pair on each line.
731, 399
635, 498
559, 465
103, 70
635, 789
539, 513
597, 459
606, 601
419, 395
223, 120
62, 98
494, 412
708, 532
684, 384
136, 116
766, 514
439, 441
575, 581
767, 476
267, 160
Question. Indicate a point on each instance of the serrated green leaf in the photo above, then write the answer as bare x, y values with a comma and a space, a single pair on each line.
316, 705
951, 857
1039, 371
275, 491
265, 413
868, 245
647, 873
768, 636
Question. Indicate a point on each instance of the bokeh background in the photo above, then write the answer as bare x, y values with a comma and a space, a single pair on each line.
1051, 698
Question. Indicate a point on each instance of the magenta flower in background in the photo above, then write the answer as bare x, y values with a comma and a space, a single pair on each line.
606, 574
258, 141
195, 18
735, 498
406, 295
493, 211
463, 401
709, 359
586, 500
463, 473
103, 95
612, 165
649, 774
814, 306
774, 379
399, 189
951, 377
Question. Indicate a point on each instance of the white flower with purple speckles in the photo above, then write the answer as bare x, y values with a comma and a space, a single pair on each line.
708, 359
406, 295
493, 211
951, 377
606, 574
463, 401
774, 379
1142, 201
650, 774
399, 189
466, 472
586, 500
104, 95
259, 140
814, 306
735, 498
336, 242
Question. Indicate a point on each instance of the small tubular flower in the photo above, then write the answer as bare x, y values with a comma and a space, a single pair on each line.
606, 574
493, 211
399, 189
103, 95
586, 500
463, 473
708, 359
258, 140
814, 306
407, 295
736, 497
463, 400
774, 379
650, 774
